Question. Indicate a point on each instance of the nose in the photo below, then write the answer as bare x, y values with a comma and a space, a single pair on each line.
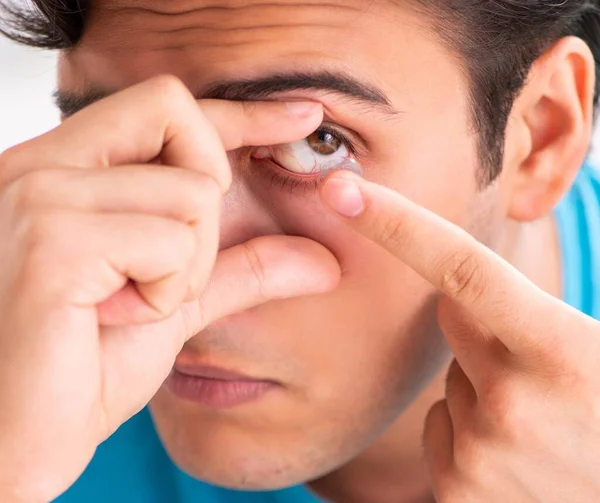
244, 216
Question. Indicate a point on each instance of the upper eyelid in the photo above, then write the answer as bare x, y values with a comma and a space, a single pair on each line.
354, 141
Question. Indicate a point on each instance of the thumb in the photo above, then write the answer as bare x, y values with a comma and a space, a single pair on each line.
265, 269
138, 358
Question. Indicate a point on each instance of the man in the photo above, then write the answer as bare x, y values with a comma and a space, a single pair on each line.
276, 222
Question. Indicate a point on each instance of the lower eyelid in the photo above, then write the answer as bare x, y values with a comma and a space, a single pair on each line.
285, 179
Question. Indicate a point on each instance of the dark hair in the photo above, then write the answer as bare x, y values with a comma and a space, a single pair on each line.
499, 40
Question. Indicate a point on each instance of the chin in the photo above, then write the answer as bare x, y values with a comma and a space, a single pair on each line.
244, 478
244, 464
236, 452
275, 442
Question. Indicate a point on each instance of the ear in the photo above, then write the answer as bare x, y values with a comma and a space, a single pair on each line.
550, 130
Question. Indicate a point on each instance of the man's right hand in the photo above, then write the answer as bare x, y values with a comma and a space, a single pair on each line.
101, 247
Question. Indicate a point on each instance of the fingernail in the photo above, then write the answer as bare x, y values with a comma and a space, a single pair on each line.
303, 108
343, 196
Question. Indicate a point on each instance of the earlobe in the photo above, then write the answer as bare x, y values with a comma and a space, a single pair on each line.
556, 108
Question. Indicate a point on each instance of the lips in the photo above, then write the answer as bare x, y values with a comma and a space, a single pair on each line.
208, 372
214, 387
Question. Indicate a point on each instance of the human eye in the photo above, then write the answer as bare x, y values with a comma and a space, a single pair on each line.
314, 157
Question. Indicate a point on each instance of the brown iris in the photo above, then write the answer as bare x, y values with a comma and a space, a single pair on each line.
324, 143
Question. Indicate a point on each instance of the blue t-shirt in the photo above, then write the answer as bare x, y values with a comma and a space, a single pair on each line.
132, 466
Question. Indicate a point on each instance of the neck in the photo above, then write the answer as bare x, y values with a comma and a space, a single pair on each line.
392, 470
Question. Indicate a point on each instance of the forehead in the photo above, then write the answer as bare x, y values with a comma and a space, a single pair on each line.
215, 10
173, 23
128, 40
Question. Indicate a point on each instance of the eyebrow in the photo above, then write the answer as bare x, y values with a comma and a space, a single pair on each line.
339, 83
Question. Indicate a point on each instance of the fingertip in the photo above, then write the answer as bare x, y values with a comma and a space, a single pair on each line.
297, 266
302, 118
330, 270
262, 123
343, 195
304, 109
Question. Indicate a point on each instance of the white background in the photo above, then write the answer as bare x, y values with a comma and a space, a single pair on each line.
27, 80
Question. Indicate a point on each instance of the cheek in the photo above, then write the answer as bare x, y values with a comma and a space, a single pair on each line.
379, 324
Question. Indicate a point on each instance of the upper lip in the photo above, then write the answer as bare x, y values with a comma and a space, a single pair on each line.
215, 373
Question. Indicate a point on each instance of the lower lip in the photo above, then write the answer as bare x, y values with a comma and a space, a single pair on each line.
216, 393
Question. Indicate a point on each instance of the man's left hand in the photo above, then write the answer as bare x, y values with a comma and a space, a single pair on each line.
520, 421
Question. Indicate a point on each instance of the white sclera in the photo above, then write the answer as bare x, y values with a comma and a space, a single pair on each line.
299, 157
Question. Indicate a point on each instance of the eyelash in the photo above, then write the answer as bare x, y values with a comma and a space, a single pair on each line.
285, 179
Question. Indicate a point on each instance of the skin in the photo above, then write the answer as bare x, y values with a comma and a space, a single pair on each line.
84, 227
409, 349
360, 366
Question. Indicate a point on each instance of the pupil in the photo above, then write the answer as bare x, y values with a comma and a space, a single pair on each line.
324, 143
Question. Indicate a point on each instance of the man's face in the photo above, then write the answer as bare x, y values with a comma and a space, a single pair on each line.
347, 362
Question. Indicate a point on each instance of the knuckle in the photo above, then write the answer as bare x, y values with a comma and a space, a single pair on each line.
40, 228
393, 233
471, 454
502, 406
26, 192
6, 160
9, 161
170, 90
201, 191
256, 267
462, 276
47, 240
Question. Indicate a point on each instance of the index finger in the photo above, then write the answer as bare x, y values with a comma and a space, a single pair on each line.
520, 314
160, 118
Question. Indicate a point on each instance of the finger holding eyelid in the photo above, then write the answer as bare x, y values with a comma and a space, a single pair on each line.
253, 123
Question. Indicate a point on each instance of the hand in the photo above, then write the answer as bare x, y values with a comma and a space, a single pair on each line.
521, 417
99, 248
